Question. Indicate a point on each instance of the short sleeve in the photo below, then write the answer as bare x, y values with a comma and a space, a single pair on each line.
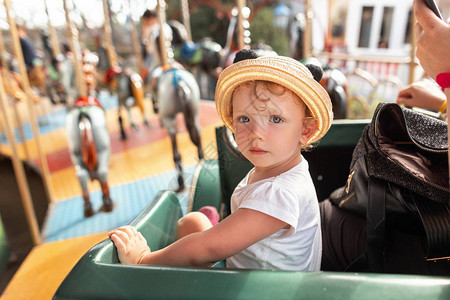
276, 201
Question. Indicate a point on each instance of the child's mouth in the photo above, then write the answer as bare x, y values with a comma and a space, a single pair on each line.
257, 151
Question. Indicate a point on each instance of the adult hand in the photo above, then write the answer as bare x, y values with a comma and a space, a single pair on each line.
423, 94
131, 245
433, 40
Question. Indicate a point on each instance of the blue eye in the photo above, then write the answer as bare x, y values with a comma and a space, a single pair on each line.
276, 119
243, 119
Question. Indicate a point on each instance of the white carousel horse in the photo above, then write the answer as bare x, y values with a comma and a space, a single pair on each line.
88, 140
175, 90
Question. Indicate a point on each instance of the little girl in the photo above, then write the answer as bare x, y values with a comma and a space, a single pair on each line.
275, 108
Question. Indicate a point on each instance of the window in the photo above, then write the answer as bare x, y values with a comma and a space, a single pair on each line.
366, 26
385, 31
408, 29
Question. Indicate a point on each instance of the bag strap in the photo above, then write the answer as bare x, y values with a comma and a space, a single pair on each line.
375, 224
436, 223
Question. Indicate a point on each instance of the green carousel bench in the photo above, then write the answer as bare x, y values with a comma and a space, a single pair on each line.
99, 275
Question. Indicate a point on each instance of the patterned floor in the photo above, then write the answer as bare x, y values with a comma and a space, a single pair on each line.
65, 219
133, 179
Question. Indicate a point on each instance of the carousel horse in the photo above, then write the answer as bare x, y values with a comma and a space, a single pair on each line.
207, 55
128, 86
202, 58
88, 138
335, 83
175, 90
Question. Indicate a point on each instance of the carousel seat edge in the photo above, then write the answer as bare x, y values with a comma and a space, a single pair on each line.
156, 222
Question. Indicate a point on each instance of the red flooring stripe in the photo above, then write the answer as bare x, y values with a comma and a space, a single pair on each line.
60, 159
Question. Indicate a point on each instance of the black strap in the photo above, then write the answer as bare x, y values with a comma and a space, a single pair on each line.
375, 224
436, 223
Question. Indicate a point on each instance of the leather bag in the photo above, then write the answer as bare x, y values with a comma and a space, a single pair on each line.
399, 176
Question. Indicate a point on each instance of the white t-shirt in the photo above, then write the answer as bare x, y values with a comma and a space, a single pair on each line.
291, 198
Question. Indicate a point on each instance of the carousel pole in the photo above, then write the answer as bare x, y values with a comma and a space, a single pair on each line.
53, 37
412, 57
161, 12
240, 27
112, 56
19, 171
72, 35
136, 45
28, 92
186, 18
7, 82
307, 38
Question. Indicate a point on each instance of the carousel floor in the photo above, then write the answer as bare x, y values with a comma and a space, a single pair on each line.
140, 166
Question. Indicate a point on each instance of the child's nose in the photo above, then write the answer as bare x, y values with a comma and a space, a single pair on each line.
257, 130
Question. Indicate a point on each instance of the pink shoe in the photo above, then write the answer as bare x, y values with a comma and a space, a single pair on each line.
211, 213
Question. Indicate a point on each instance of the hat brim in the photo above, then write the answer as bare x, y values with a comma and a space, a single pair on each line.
282, 70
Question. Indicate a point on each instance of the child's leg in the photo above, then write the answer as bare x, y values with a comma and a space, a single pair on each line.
192, 222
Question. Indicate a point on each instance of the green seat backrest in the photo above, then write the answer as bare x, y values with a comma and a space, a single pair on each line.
205, 186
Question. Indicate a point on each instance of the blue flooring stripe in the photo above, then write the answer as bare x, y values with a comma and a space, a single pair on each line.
65, 219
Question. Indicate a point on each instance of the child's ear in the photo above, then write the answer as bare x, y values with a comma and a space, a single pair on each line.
309, 128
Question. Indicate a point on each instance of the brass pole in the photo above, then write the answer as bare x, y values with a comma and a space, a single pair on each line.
186, 18
412, 62
112, 55
28, 92
72, 34
136, 44
19, 172
53, 37
161, 11
307, 37
19, 127
7, 82
240, 27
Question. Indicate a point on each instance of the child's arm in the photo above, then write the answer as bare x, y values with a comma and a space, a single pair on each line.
240, 230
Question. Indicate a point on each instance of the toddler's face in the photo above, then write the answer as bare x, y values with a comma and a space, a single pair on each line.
269, 128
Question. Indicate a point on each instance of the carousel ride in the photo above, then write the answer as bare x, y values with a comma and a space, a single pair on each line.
96, 273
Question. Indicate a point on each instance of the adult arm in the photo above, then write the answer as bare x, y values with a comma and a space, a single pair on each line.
424, 94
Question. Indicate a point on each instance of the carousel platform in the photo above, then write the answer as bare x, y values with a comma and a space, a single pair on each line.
140, 166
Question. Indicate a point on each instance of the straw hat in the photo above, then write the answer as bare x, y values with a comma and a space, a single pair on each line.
285, 71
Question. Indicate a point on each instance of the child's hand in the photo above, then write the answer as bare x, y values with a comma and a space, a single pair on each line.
131, 245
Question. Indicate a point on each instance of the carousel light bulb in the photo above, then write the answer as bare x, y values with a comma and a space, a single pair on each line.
245, 12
